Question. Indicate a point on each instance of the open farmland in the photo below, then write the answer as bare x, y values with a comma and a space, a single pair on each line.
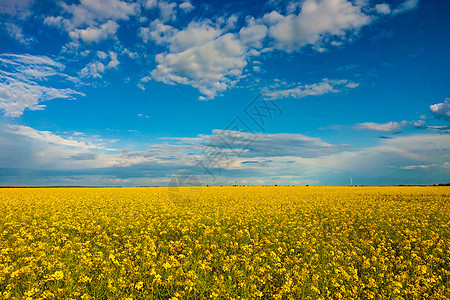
225, 243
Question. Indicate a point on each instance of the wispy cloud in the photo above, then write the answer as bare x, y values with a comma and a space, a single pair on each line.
383, 127
314, 89
16, 33
51, 138
405, 6
25, 83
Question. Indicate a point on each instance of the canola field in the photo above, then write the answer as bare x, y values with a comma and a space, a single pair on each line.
225, 243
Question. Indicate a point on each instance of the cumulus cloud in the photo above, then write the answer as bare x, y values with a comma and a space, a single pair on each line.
132, 55
441, 110
194, 34
202, 55
167, 10
383, 8
383, 127
149, 4
317, 23
26, 81
253, 33
92, 21
93, 12
95, 34
114, 62
186, 6
95, 69
211, 57
299, 91
157, 32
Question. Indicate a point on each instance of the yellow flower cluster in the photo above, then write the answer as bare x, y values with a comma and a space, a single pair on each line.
229, 243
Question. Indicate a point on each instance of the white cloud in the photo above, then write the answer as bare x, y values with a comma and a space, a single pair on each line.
16, 33
441, 110
280, 144
58, 22
93, 12
132, 55
406, 6
51, 138
418, 124
202, 56
167, 11
25, 82
352, 85
211, 55
318, 22
383, 8
95, 34
92, 20
301, 158
324, 87
401, 153
114, 62
273, 18
383, 127
186, 6
194, 35
16, 8
95, 69
253, 34
102, 55
439, 129
27, 59
42, 152
158, 32
149, 4
418, 167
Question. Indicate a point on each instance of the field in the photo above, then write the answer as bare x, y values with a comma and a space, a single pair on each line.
225, 243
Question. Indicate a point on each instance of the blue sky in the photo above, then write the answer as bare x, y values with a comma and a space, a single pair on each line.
115, 92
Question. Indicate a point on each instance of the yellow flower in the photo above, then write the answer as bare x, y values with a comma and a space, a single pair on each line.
315, 289
58, 275
139, 285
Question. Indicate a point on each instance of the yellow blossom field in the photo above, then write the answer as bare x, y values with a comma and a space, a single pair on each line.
225, 243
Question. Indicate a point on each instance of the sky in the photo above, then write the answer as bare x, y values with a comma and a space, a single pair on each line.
311, 92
